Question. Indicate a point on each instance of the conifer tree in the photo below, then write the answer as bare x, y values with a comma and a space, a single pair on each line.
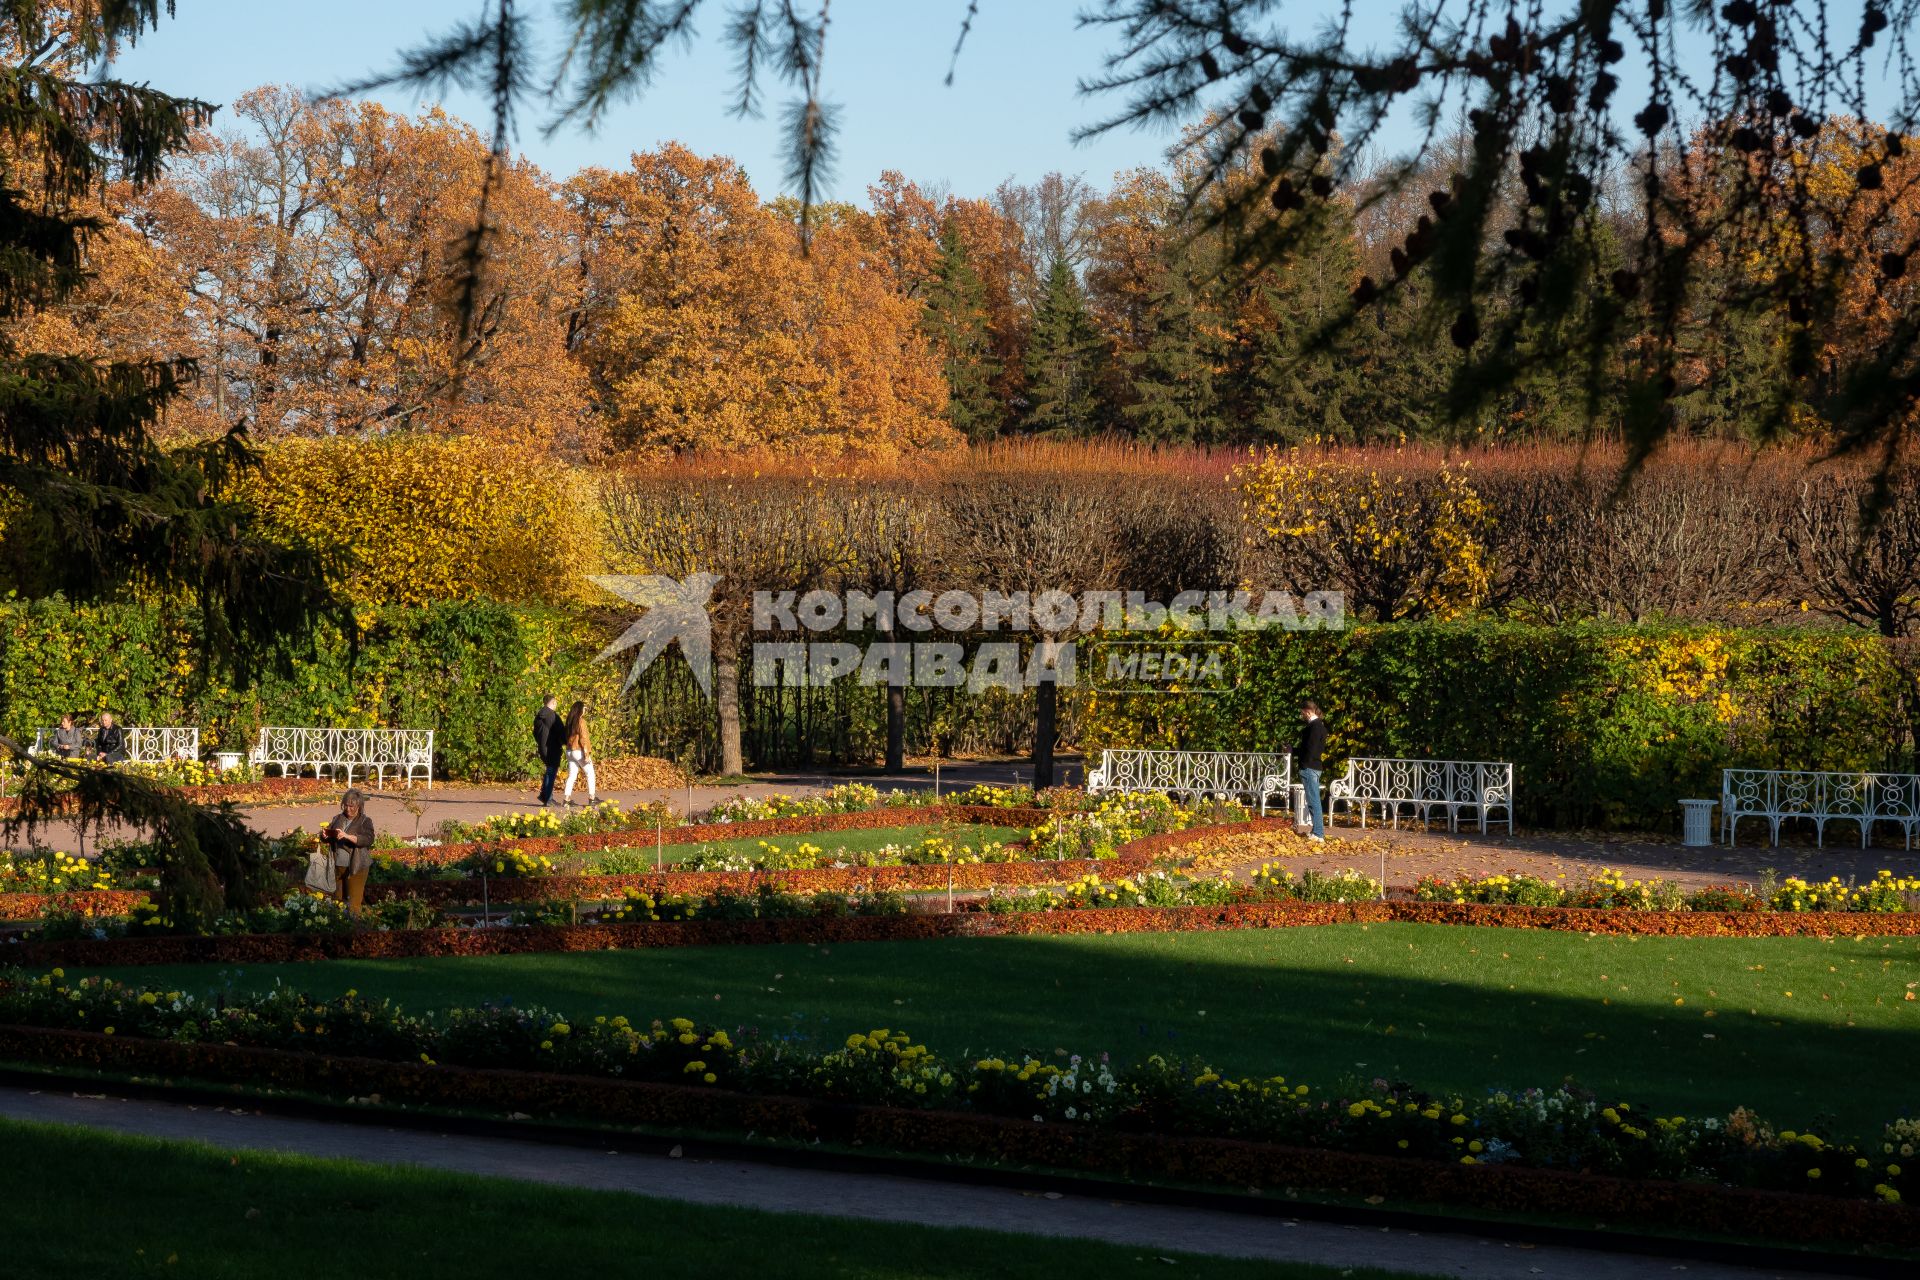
81, 471
1174, 398
1066, 356
956, 320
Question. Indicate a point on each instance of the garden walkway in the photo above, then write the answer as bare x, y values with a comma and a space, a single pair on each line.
872, 1197
1411, 854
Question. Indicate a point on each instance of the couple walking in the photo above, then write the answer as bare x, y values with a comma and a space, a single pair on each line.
555, 739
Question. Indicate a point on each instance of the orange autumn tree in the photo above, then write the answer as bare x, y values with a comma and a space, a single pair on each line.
325, 239
707, 327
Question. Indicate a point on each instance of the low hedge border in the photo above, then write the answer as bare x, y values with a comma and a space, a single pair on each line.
924, 877
703, 832
277, 948
1690, 1207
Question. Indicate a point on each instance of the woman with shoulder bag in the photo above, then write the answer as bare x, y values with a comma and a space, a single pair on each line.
580, 753
349, 836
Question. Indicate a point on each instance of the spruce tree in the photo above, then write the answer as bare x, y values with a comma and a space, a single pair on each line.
1172, 382
1066, 356
81, 471
956, 320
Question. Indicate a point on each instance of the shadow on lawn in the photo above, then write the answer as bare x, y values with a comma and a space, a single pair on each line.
1678, 1026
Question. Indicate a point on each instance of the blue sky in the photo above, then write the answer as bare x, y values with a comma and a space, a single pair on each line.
1011, 111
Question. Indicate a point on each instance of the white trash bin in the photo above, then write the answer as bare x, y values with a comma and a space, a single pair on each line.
1696, 823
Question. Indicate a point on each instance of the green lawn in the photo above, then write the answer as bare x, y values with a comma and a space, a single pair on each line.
75, 1203
857, 841
1799, 1028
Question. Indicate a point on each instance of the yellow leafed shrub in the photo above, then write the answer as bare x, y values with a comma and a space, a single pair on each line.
426, 519
1403, 546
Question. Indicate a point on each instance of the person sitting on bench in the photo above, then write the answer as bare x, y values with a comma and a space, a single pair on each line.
67, 742
110, 744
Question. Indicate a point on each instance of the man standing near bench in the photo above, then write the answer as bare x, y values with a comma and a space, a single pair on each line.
550, 743
1313, 741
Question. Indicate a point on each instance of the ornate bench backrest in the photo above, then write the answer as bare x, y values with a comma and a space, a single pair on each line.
1195, 772
144, 742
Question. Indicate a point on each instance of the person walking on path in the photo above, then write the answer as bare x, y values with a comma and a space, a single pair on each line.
1313, 741
580, 753
550, 744
349, 834
110, 743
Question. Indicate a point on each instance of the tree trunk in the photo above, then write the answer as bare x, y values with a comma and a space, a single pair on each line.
896, 706
896, 728
1046, 718
726, 698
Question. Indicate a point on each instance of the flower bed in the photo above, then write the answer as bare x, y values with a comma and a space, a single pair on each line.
1558, 1150
703, 832
89, 902
254, 792
50, 873
529, 939
1608, 889
908, 879
1135, 823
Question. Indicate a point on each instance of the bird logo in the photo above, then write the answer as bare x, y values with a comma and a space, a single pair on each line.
675, 610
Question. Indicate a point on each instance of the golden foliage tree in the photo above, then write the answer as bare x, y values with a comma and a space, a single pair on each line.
709, 328
325, 243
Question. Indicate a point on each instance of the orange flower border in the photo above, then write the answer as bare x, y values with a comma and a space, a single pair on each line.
927, 877
280, 948
1694, 1208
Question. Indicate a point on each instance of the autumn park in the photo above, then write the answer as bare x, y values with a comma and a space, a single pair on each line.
961, 640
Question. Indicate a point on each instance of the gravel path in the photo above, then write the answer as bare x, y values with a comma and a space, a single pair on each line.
874, 1197
1411, 854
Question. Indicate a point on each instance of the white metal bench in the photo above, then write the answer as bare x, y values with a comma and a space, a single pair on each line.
1257, 774
407, 753
1778, 795
145, 743
1424, 786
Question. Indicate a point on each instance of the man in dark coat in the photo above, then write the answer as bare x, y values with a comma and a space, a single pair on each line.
550, 744
1306, 758
110, 743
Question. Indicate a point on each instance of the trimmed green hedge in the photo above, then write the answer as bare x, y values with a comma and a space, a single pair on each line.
1606, 725
472, 671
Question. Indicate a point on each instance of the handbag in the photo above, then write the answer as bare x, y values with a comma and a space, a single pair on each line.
320, 874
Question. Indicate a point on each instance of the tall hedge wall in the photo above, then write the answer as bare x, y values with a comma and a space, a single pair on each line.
473, 671
1607, 725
